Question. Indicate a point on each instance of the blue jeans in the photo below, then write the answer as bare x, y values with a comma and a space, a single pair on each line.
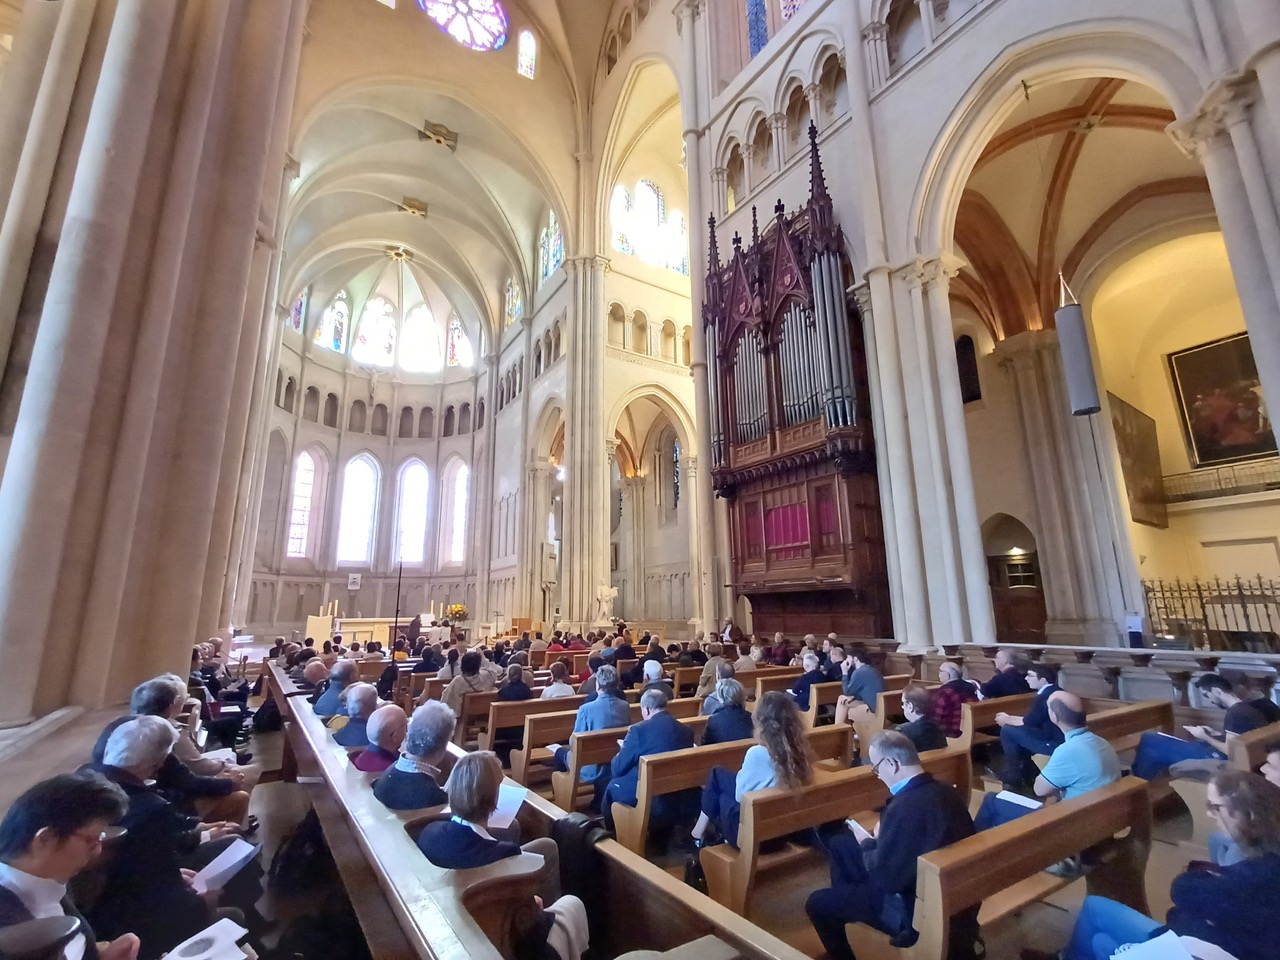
1104, 926
996, 812
1020, 744
1157, 752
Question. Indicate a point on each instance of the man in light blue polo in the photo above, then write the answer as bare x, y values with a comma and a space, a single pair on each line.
1083, 762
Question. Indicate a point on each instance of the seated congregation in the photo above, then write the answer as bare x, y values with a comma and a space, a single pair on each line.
715, 763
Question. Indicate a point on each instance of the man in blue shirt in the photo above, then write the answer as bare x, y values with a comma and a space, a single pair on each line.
342, 675
861, 683
1023, 737
1083, 762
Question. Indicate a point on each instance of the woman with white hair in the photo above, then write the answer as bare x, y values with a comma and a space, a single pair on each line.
413, 781
359, 701
812, 674
147, 889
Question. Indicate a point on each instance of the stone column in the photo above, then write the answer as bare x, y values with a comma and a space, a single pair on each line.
720, 177
24, 75
973, 559
704, 543
875, 41
778, 128
748, 172
813, 94
634, 519
1260, 20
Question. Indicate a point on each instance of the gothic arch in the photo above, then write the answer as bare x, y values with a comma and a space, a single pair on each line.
670, 404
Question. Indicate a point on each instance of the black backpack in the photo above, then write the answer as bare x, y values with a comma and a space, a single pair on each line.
303, 863
267, 719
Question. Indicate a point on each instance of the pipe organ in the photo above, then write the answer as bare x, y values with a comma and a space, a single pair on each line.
793, 451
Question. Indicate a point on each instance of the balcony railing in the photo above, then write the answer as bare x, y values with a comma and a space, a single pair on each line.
1238, 614
1256, 476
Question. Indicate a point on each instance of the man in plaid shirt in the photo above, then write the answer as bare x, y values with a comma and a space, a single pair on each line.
949, 698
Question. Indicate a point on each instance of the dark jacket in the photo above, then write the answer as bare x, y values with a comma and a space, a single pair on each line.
624, 651
924, 733
428, 664
666, 686
1225, 906
1037, 722
1007, 683
515, 690
354, 734
409, 790
728, 724
13, 911
455, 846
144, 892
925, 816
661, 733
800, 689
174, 779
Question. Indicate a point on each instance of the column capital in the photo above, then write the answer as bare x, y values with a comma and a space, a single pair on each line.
913, 273
862, 295
720, 174
942, 269
875, 31
1226, 104
689, 466
778, 121
1022, 349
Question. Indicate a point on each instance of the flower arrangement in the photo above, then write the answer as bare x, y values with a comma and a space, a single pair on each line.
455, 612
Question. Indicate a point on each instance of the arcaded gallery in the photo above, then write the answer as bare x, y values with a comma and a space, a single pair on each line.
639, 479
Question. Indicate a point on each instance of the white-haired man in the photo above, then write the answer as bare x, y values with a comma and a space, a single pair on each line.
414, 780
359, 701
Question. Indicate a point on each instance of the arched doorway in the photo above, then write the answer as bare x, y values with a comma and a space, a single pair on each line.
1017, 594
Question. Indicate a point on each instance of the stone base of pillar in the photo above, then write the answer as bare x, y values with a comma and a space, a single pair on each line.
1082, 633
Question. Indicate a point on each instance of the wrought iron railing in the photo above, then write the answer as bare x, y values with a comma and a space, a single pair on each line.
1233, 613
1255, 476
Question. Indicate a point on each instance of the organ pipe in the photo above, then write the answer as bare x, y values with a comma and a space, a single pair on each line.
841, 318
826, 350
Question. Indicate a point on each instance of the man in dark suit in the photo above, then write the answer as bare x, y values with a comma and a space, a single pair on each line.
50, 834
812, 674
873, 875
1011, 675
413, 781
1023, 737
657, 732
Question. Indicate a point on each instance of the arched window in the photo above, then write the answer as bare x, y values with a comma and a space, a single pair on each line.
450, 421
426, 423
311, 405
757, 25
420, 341
290, 393
513, 302
550, 248
479, 414
464, 419
641, 225
453, 542
675, 474
298, 315
331, 410
967, 365
331, 332
376, 336
279, 386
460, 352
380, 420
476, 24
411, 513
527, 61
406, 423
358, 417
304, 483
358, 516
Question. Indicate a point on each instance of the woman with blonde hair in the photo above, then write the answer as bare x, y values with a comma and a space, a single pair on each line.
780, 758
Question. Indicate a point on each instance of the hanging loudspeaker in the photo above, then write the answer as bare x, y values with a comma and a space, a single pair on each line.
1073, 341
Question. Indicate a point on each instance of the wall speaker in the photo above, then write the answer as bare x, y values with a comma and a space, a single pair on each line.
1077, 360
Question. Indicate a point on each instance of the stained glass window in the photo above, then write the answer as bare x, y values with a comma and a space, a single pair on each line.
304, 483
359, 510
644, 227
420, 342
298, 315
513, 302
331, 332
550, 248
675, 474
790, 8
476, 24
411, 532
460, 353
528, 54
376, 337
757, 25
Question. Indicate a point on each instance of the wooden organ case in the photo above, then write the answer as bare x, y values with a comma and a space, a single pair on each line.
793, 450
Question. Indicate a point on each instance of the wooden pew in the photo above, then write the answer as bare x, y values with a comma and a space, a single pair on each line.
597, 747
529, 764
1249, 750
685, 679
982, 713
776, 813
371, 670
821, 695
503, 716
779, 678
963, 875
472, 715
667, 773
1123, 727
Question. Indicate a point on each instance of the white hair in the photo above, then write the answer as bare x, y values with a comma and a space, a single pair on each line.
361, 699
810, 660
140, 742
808, 637
652, 670
430, 729
344, 672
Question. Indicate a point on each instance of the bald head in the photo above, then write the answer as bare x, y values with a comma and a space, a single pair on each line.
315, 671
1067, 710
387, 727
948, 671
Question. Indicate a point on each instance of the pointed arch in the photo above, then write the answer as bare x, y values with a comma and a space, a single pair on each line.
358, 512
412, 503
454, 512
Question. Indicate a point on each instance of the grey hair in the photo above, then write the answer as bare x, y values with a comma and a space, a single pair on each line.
360, 699
430, 729
950, 668
607, 678
344, 671
652, 670
156, 697
654, 699
730, 692
892, 745
140, 742
810, 661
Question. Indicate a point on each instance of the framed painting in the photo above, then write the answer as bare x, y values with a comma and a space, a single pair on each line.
1139, 449
1220, 403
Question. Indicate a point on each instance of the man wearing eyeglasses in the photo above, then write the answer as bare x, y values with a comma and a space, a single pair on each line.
51, 833
873, 873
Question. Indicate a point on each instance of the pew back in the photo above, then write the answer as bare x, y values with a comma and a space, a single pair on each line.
509, 714
1249, 750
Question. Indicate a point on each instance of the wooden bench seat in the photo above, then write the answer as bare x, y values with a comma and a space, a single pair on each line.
530, 764
776, 678
982, 713
512, 714
667, 773
1249, 750
776, 813
821, 695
